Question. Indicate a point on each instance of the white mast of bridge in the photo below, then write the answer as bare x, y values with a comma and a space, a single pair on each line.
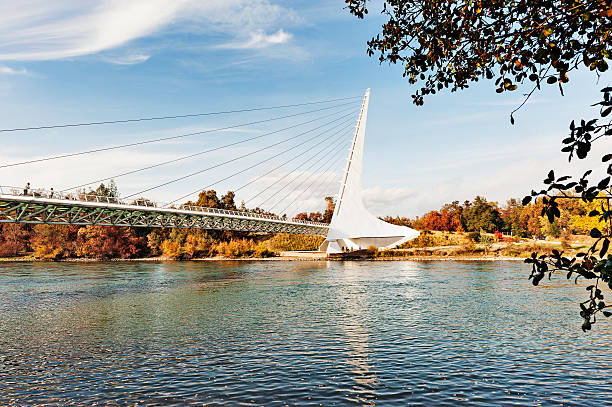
352, 226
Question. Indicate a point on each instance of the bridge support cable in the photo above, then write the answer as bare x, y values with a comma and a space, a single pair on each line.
297, 175
243, 156
307, 188
261, 162
182, 116
210, 150
321, 190
333, 161
327, 148
144, 142
297, 171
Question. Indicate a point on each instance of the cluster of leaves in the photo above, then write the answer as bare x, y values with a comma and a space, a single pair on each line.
592, 264
449, 44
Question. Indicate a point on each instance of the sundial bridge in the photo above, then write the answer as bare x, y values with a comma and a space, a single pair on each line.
352, 226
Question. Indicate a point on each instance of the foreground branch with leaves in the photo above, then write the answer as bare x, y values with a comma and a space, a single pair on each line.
594, 264
449, 44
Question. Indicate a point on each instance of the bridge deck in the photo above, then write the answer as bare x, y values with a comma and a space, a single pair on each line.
42, 207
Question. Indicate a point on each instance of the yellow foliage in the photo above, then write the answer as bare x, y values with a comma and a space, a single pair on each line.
196, 245
236, 248
582, 224
287, 242
171, 248
91, 239
51, 242
242, 248
43, 251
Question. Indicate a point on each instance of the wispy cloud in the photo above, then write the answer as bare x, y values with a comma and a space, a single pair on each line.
43, 30
259, 40
128, 59
6, 70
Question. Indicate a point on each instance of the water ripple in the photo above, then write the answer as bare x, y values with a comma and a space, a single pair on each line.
365, 333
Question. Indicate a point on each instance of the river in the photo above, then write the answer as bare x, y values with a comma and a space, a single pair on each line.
297, 333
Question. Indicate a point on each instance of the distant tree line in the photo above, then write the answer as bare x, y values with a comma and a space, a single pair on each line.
514, 217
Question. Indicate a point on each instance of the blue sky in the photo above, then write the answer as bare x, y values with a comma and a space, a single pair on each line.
67, 61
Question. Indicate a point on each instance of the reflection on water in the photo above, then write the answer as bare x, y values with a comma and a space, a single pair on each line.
354, 324
363, 333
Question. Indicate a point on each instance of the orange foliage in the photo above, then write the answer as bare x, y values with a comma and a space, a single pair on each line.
107, 242
14, 239
54, 242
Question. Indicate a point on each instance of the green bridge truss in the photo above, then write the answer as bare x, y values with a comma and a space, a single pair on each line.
105, 211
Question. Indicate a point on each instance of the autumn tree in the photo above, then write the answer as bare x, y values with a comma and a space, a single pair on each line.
431, 221
227, 201
108, 242
54, 242
402, 221
452, 215
329, 210
14, 239
207, 199
512, 218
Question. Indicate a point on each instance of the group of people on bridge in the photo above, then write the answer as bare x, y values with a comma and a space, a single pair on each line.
27, 190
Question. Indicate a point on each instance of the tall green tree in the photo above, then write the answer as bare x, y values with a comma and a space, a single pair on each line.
104, 190
480, 214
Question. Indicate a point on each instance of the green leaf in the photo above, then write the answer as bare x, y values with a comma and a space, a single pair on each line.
583, 149
586, 326
604, 247
603, 184
595, 233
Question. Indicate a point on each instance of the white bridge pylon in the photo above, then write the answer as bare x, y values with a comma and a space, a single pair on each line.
352, 226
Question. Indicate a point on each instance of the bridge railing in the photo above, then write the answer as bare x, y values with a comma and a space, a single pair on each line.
88, 197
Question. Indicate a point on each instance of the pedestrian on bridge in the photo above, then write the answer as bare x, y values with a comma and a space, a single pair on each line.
26, 189
51, 192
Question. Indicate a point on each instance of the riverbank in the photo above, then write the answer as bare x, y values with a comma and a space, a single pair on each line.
282, 258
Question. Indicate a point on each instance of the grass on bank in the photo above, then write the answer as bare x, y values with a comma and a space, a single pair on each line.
457, 244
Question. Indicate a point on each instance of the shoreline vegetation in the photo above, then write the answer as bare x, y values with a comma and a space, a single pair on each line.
474, 230
429, 246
